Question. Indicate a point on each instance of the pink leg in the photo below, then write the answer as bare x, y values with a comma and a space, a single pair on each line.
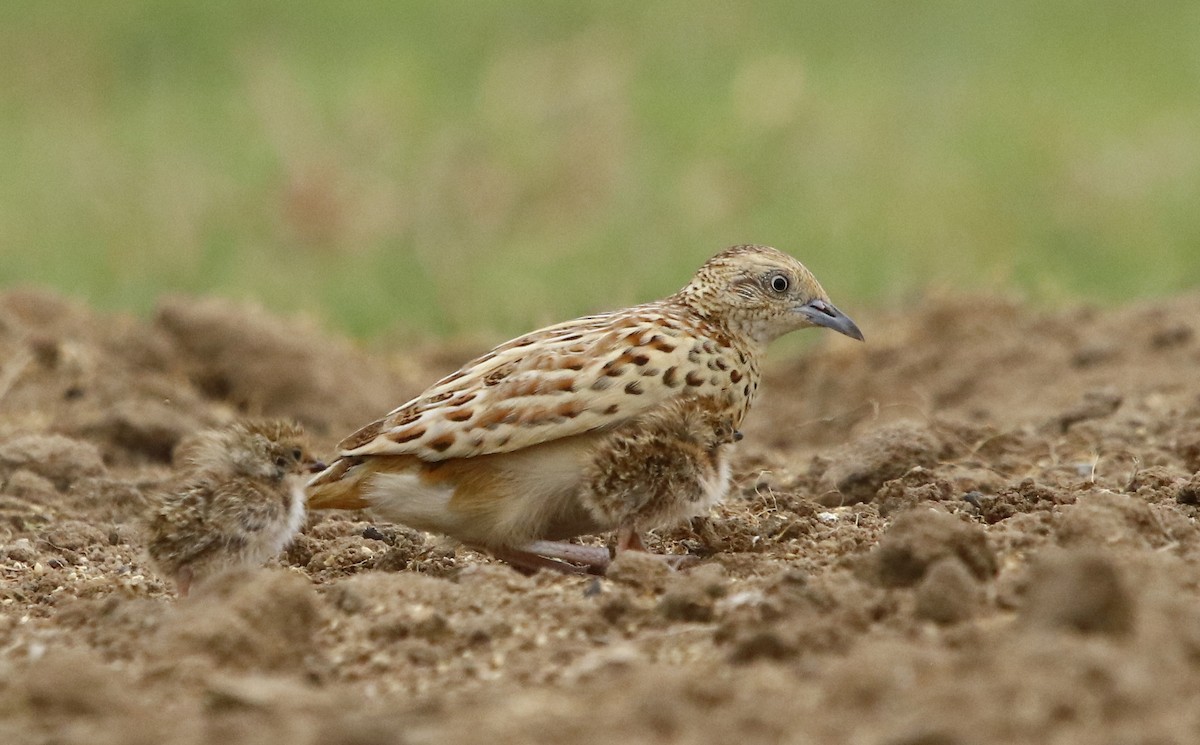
629, 539
560, 557
183, 581
571, 558
596, 557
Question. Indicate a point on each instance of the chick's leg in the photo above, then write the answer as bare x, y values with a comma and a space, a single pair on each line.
183, 581
629, 539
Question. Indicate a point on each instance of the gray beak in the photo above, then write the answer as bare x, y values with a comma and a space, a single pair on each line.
823, 313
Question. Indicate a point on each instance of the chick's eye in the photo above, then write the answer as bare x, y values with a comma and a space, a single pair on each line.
297, 454
780, 283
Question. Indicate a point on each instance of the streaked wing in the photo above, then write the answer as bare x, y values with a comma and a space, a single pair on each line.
591, 373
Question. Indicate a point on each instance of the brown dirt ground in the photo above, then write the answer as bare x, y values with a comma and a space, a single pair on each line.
978, 527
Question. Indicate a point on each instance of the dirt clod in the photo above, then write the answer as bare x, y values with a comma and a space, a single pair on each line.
1189, 492
863, 467
920, 538
1079, 590
948, 593
58, 459
253, 621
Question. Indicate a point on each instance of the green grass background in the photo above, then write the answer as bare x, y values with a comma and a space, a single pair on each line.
485, 166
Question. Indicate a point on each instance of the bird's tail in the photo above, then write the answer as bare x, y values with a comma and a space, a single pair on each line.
338, 487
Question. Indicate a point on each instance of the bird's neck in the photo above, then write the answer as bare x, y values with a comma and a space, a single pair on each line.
742, 334
738, 348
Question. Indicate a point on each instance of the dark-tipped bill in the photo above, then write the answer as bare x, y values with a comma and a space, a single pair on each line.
823, 313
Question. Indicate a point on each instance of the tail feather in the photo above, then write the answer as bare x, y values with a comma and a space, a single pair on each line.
338, 487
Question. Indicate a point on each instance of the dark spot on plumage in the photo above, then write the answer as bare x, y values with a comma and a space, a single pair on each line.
735, 375
402, 417
571, 337
615, 371
568, 410
671, 377
437, 398
660, 344
460, 415
460, 399
634, 388
640, 359
694, 379
722, 365
721, 339
516, 344
573, 363
600, 384
406, 435
612, 409
563, 385
746, 391
442, 443
497, 375
651, 372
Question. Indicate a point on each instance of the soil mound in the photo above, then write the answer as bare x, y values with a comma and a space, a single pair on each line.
978, 527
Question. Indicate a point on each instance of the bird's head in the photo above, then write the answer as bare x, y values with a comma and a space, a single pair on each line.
761, 293
268, 449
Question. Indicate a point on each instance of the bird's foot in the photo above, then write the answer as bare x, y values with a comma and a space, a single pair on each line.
629, 539
571, 558
557, 556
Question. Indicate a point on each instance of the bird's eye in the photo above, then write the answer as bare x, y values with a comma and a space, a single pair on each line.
780, 283
297, 454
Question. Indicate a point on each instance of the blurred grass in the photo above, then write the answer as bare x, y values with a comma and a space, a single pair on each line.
487, 166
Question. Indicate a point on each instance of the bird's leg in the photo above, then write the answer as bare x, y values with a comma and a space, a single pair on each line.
596, 557
571, 558
629, 539
561, 557
183, 581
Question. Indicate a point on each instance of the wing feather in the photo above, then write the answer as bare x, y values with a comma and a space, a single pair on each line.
588, 374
